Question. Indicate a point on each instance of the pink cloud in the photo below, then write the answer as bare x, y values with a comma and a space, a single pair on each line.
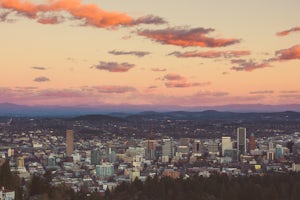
114, 66
41, 79
289, 54
184, 37
64, 93
38, 68
114, 89
287, 32
184, 84
262, 92
289, 91
49, 20
174, 77
290, 96
4, 16
157, 69
281, 55
151, 89
248, 65
134, 53
210, 54
178, 81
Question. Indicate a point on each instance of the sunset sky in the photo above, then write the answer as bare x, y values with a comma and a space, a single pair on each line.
141, 52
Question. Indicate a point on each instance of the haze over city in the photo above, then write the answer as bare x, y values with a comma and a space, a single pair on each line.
137, 52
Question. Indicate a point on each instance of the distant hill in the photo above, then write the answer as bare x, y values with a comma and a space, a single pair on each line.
102, 118
212, 115
124, 111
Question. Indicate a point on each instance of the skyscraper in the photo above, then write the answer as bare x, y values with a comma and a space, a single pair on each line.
241, 141
95, 157
167, 148
197, 147
226, 144
69, 142
252, 143
150, 153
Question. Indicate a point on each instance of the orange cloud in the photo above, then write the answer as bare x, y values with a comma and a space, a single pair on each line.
281, 55
289, 54
210, 54
184, 37
90, 13
24, 7
287, 32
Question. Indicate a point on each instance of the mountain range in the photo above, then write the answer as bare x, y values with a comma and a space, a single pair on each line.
122, 111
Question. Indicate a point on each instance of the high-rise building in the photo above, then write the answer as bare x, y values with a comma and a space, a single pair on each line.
241, 141
213, 148
20, 161
184, 141
197, 147
167, 148
271, 145
105, 170
296, 148
226, 144
150, 149
231, 153
95, 157
252, 142
278, 151
69, 142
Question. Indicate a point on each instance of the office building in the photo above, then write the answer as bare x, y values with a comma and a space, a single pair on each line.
198, 147
184, 141
252, 142
20, 162
69, 142
95, 157
167, 148
271, 145
150, 149
105, 170
213, 148
226, 144
241, 141
231, 153
278, 151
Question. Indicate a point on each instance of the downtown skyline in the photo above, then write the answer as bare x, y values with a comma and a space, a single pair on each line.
192, 53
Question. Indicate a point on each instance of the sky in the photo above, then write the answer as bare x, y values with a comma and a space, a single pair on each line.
141, 52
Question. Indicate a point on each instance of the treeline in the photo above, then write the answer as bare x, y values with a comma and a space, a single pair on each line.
10, 181
216, 187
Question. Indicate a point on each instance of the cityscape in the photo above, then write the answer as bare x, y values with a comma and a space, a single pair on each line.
96, 153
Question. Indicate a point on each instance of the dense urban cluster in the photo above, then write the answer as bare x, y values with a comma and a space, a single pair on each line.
101, 162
